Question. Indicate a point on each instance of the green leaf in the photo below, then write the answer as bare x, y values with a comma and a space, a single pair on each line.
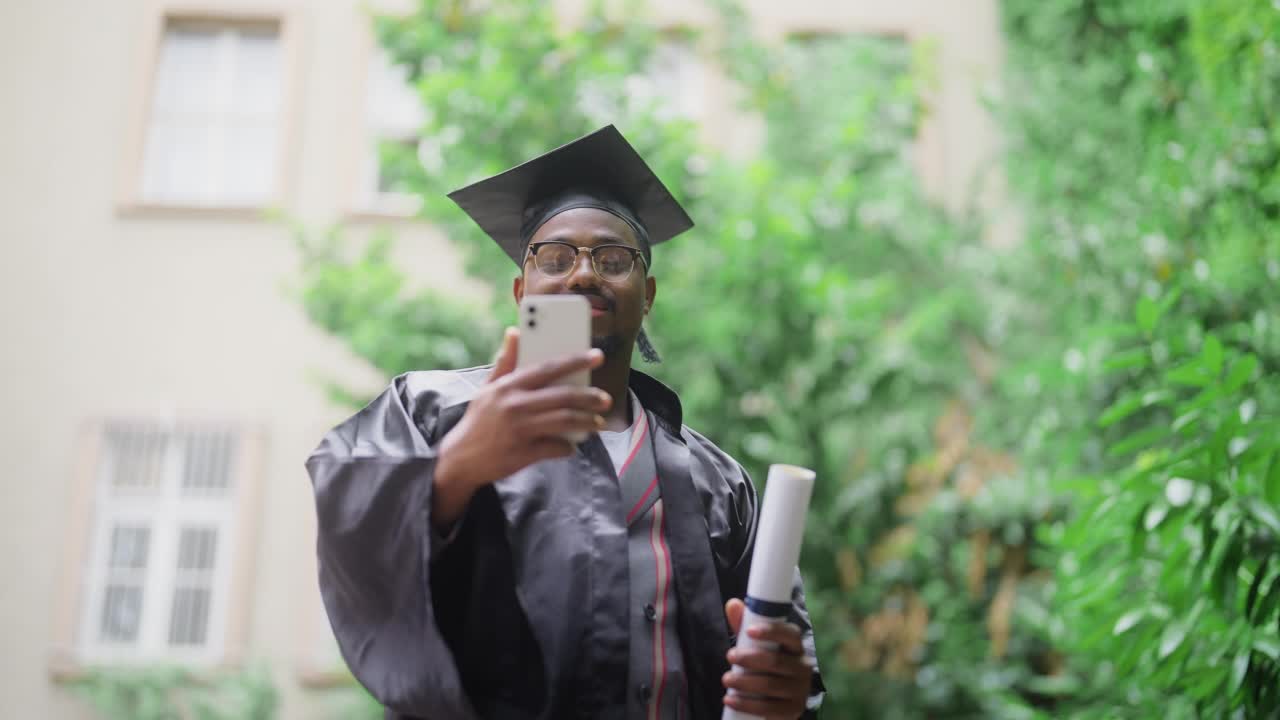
1256, 586
1120, 410
1208, 544
1211, 355
1224, 582
1190, 373
1178, 459
1239, 667
1270, 603
1272, 482
1155, 397
1112, 330
1264, 514
1135, 359
1267, 646
1138, 441
1147, 314
1220, 443
1185, 419
1154, 516
1127, 621
1203, 399
1205, 686
1240, 373
1138, 537
1172, 637
1170, 299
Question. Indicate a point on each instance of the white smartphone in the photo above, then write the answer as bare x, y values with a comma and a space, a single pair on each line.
552, 327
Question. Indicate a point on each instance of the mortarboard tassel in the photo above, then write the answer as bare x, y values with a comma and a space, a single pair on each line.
647, 350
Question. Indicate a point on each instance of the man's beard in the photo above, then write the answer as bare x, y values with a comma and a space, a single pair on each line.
610, 345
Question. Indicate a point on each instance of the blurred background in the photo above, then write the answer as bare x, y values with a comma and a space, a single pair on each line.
1007, 274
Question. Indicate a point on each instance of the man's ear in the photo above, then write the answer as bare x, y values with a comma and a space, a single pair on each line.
650, 292
517, 288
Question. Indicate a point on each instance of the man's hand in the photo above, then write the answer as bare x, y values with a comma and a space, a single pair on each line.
515, 420
773, 684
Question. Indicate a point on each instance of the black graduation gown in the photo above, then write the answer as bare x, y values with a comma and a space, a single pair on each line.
522, 614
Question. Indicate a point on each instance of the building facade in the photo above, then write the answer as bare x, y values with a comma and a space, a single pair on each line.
161, 383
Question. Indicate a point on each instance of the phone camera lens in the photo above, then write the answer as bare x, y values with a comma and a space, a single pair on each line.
533, 323
533, 308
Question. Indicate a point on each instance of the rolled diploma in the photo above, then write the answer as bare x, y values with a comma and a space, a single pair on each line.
778, 538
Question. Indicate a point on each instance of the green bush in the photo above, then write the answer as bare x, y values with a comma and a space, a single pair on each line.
1144, 147
1170, 573
175, 693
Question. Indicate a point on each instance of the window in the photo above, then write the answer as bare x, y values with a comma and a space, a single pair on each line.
158, 566
677, 70
213, 132
394, 118
674, 83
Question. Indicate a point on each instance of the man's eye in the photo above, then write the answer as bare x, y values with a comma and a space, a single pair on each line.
554, 257
613, 259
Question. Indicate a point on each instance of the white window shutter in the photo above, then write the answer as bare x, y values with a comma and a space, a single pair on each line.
193, 586
123, 584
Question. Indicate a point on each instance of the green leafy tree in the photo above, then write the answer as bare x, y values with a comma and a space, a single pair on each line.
1142, 384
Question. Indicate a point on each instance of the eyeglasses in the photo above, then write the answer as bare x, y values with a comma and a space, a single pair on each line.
612, 263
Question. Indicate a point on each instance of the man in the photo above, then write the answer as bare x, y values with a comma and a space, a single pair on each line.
474, 564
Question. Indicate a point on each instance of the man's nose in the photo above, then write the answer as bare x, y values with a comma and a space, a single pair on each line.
582, 274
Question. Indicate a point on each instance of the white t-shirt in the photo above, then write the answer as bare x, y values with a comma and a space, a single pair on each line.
617, 443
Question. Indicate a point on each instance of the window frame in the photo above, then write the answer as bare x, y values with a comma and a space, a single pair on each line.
87, 543
159, 16
364, 201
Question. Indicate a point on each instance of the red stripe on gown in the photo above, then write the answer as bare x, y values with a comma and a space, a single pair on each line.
662, 563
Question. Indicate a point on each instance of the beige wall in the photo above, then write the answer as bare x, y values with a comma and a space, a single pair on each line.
105, 313
108, 313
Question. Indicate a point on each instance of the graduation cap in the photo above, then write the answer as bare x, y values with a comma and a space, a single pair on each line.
599, 170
